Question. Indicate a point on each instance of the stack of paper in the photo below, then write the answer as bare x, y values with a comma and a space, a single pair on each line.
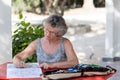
31, 71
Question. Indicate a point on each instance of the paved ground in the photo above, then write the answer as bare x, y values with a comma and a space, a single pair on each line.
89, 45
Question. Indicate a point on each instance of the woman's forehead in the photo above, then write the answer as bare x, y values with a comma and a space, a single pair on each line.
47, 25
50, 27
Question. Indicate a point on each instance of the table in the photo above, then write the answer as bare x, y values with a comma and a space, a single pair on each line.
4, 66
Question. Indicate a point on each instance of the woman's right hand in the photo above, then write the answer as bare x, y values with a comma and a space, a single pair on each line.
19, 63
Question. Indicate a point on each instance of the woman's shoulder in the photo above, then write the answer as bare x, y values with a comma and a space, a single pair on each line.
38, 38
66, 40
35, 41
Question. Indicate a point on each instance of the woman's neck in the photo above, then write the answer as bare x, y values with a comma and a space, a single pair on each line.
56, 40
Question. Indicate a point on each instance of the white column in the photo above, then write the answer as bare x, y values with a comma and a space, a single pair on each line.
116, 54
5, 31
112, 31
109, 40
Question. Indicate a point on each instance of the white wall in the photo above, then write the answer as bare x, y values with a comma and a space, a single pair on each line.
5, 31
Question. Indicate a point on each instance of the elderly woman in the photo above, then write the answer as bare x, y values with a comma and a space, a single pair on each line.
53, 50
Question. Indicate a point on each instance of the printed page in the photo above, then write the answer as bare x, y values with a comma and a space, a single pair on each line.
31, 71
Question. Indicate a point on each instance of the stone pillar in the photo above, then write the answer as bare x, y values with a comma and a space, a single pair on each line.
112, 47
109, 42
116, 38
5, 31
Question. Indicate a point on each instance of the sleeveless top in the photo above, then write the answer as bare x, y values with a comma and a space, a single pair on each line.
58, 56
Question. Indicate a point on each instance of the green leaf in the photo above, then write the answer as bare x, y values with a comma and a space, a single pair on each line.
27, 24
20, 16
23, 23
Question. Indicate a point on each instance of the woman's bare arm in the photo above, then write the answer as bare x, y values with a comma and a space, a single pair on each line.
28, 51
72, 59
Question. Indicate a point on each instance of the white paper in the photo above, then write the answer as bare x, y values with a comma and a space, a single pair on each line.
32, 71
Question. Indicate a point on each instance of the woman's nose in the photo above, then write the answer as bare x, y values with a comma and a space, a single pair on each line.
48, 33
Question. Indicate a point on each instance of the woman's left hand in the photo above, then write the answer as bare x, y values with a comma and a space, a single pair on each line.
45, 65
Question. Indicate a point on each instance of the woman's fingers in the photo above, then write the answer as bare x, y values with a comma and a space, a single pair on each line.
44, 65
21, 64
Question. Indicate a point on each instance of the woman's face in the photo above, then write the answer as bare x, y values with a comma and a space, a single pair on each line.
50, 32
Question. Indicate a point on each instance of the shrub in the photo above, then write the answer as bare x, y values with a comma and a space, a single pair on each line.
24, 35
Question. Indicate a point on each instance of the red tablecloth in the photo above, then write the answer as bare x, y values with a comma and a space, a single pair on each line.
3, 75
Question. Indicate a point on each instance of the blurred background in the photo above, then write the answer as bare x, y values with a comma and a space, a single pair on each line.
52, 6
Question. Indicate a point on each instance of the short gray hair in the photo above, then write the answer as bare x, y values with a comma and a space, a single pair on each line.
57, 21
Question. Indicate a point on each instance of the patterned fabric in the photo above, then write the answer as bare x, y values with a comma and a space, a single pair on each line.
80, 70
58, 56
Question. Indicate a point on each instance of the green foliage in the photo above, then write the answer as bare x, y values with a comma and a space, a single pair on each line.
24, 35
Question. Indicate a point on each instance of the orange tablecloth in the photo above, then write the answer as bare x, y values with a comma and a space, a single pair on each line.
3, 75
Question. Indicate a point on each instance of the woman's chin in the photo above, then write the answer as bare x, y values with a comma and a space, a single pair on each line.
48, 38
